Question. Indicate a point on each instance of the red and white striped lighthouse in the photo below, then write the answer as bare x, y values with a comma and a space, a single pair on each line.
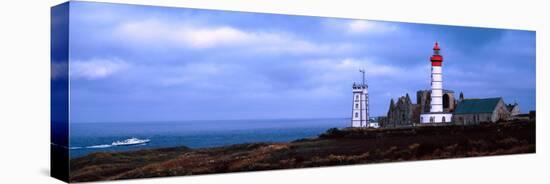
436, 104
436, 114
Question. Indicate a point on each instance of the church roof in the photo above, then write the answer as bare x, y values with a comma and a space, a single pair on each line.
475, 106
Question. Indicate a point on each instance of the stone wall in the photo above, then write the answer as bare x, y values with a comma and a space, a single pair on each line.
423, 100
401, 113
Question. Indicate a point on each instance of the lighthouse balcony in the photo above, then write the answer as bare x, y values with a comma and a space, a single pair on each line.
360, 86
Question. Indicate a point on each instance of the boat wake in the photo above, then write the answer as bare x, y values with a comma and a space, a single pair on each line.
128, 142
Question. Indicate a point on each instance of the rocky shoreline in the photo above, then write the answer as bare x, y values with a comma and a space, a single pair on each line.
335, 147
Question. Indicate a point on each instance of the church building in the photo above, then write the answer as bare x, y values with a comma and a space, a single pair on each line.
485, 110
402, 113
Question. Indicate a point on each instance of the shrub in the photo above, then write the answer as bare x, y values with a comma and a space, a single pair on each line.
332, 133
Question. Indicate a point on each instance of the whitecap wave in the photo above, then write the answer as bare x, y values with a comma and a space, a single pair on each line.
99, 146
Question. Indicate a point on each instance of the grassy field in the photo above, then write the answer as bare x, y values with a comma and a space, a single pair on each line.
335, 147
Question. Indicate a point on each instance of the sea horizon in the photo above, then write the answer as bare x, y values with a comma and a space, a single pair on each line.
93, 137
194, 120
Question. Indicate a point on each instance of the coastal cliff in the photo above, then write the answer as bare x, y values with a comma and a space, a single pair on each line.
335, 147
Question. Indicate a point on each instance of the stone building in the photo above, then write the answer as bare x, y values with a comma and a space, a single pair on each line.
475, 111
401, 113
423, 100
513, 109
406, 113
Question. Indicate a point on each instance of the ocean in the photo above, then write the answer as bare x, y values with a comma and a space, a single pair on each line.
87, 138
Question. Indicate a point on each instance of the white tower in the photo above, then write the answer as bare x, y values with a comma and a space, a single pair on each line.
436, 114
436, 104
360, 110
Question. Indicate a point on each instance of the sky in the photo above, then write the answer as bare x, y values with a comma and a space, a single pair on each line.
146, 63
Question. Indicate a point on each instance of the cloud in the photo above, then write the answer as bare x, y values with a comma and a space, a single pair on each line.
180, 34
194, 74
360, 27
96, 68
336, 69
304, 78
205, 38
363, 27
152, 31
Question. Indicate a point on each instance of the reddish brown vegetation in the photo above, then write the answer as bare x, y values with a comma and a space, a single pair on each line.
336, 147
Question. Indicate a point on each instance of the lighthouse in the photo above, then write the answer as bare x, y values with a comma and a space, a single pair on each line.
436, 104
360, 109
436, 114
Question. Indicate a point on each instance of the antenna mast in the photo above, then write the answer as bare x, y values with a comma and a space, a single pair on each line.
363, 72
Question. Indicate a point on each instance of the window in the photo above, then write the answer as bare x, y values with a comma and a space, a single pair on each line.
443, 119
446, 101
356, 106
356, 114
